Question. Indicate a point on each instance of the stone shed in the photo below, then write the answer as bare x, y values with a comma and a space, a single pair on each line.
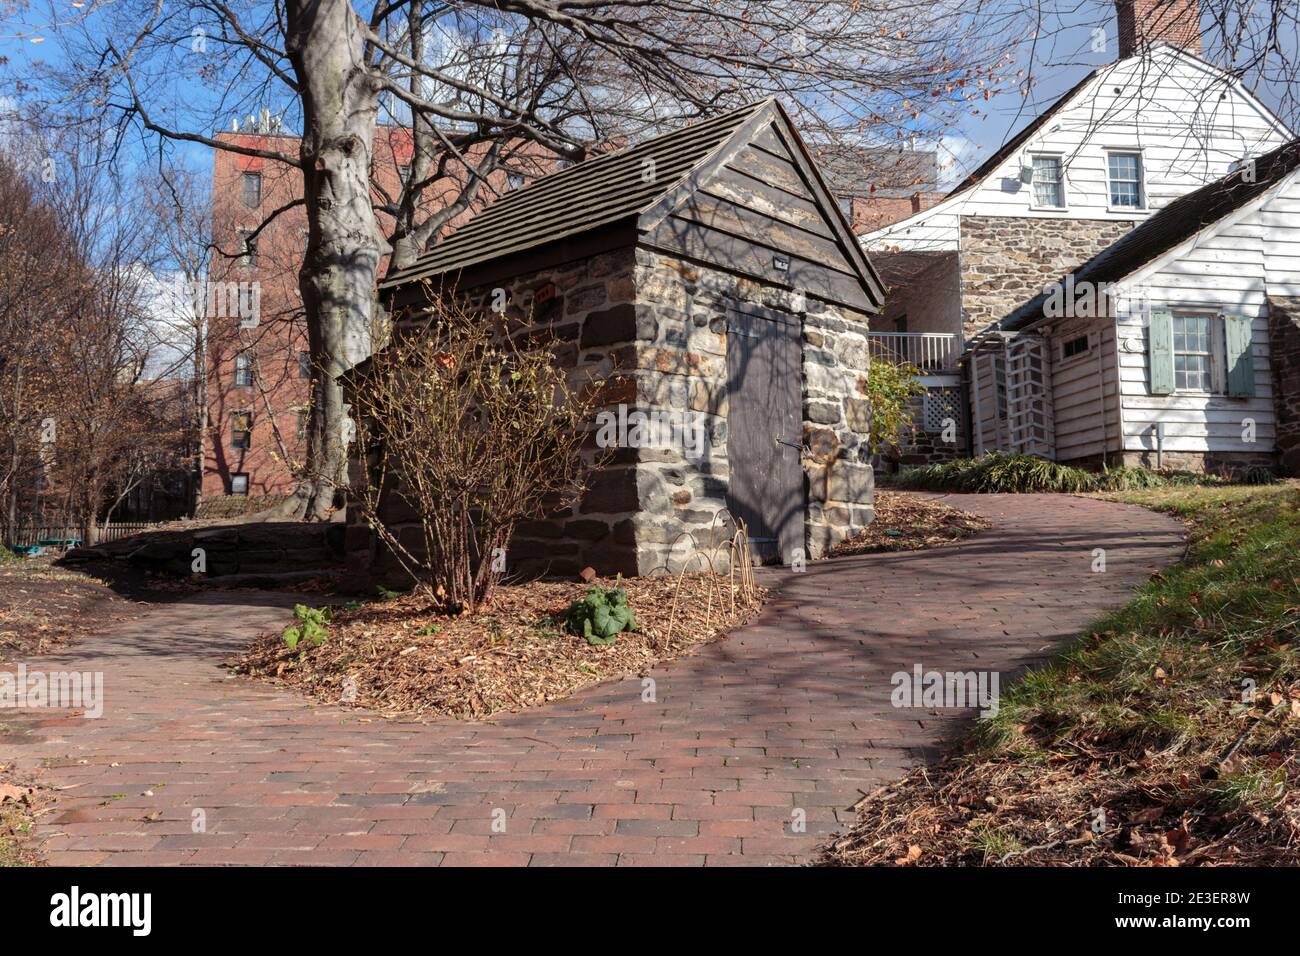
712, 278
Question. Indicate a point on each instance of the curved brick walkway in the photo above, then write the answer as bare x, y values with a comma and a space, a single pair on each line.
790, 713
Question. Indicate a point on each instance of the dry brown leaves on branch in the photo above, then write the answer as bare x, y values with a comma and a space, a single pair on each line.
404, 658
907, 522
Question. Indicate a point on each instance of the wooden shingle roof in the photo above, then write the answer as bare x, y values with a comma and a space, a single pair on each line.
594, 193
639, 187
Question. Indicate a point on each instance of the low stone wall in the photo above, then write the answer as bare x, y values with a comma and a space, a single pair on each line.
1214, 462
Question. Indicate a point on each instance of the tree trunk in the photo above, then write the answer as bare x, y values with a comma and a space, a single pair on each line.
408, 241
337, 278
199, 407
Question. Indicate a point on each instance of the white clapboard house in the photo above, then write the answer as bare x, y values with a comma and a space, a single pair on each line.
1128, 140
1177, 346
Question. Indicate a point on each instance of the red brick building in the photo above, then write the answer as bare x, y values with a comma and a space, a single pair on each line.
258, 367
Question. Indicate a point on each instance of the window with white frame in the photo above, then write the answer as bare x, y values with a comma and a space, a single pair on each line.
239, 483
1193, 353
241, 430
243, 369
248, 249
1124, 180
1048, 183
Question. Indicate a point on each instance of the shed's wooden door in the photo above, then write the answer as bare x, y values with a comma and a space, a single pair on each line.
764, 429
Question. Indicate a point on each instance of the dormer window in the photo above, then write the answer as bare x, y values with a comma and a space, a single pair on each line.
1124, 180
1048, 182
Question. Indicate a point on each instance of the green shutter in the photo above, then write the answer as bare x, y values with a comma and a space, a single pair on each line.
1160, 353
1241, 365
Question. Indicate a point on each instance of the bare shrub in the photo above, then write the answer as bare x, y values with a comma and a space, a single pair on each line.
476, 427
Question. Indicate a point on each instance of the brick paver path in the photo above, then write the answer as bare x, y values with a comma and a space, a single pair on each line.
789, 714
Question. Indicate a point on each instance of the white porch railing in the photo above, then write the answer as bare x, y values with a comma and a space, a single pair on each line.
928, 351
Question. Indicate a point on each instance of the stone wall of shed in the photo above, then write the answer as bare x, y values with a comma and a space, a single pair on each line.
593, 319
681, 367
655, 327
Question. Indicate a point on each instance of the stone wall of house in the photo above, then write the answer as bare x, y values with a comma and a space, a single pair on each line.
591, 314
1007, 260
681, 366
836, 423
1284, 355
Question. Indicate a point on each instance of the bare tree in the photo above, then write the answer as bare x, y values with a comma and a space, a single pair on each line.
38, 266
475, 431
180, 201
487, 85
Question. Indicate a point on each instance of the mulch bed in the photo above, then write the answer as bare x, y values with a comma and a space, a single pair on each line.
906, 522
405, 658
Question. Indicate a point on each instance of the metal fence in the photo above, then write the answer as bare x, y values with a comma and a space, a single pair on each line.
32, 535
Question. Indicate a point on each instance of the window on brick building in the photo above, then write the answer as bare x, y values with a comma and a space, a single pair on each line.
241, 430
304, 364
243, 369
239, 483
251, 189
248, 249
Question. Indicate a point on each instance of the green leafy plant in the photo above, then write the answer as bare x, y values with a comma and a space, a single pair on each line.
428, 630
7, 556
1259, 475
385, 594
312, 626
600, 616
997, 473
890, 388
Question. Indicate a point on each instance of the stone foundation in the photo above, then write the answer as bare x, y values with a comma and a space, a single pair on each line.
1213, 463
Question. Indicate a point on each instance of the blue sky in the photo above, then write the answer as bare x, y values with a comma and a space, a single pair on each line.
1061, 55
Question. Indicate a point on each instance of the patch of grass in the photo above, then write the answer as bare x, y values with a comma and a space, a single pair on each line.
1181, 709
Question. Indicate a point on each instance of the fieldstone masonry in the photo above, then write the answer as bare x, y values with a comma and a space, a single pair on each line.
654, 328
1007, 260
682, 318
